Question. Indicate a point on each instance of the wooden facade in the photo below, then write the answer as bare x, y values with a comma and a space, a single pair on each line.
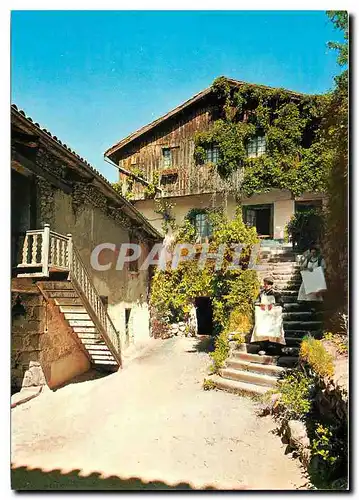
144, 154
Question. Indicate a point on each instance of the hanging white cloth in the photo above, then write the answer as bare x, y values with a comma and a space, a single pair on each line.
268, 322
313, 282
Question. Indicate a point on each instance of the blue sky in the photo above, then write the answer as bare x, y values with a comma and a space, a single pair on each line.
93, 77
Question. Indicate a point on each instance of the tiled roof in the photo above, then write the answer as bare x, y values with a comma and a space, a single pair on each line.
87, 165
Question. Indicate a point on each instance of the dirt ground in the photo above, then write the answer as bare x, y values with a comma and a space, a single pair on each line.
150, 422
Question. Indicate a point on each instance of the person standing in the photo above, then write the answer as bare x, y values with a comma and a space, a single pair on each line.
268, 328
310, 261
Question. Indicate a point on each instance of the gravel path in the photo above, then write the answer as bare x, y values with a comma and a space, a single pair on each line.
153, 421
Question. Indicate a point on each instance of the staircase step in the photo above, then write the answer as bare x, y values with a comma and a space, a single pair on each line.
80, 322
288, 361
90, 337
249, 377
57, 294
85, 329
68, 301
301, 316
301, 307
57, 285
236, 364
256, 358
93, 346
302, 325
100, 356
238, 387
104, 362
287, 287
303, 333
71, 316
75, 308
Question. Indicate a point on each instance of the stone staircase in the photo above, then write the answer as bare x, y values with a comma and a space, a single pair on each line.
245, 371
67, 283
68, 302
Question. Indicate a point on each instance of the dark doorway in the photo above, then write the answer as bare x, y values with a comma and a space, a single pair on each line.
204, 315
260, 217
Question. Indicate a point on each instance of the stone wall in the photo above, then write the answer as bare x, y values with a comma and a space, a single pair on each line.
43, 348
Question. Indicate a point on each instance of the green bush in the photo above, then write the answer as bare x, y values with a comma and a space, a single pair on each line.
221, 352
208, 384
295, 389
313, 353
305, 228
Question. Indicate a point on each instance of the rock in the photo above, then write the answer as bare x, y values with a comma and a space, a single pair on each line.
34, 376
298, 439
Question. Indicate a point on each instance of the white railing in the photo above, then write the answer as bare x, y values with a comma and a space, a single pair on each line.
51, 251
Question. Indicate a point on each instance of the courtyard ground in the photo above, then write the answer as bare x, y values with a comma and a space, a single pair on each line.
150, 422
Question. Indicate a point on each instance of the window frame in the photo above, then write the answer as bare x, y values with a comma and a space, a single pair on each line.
212, 154
256, 146
167, 161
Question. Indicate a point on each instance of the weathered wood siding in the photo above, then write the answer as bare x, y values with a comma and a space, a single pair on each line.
188, 177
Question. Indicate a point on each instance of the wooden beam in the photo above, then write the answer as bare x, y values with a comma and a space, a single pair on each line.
18, 158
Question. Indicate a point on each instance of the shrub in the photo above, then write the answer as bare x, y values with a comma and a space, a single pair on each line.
239, 323
295, 389
221, 351
314, 354
304, 228
208, 384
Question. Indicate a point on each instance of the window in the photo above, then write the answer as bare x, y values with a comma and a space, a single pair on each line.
256, 146
212, 154
166, 158
203, 226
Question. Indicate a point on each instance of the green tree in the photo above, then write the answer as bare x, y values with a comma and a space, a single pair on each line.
336, 139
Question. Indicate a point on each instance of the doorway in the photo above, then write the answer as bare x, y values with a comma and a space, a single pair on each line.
204, 312
260, 217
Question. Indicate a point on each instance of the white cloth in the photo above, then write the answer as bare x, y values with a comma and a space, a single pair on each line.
314, 280
268, 323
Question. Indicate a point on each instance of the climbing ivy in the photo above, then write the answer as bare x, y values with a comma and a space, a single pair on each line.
295, 156
174, 289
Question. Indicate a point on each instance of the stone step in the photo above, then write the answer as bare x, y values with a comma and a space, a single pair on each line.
91, 345
101, 356
57, 285
255, 358
105, 362
80, 322
68, 301
289, 296
287, 287
285, 277
237, 387
75, 308
237, 364
303, 307
85, 329
249, 377
302, 325
90, 337
290, 352
317, 334
57, 294
297, 315
75, 316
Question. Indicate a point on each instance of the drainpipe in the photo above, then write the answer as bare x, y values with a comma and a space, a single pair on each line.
131, 174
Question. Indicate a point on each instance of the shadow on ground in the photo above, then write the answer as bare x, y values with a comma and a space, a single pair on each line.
24, 479
204, 343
